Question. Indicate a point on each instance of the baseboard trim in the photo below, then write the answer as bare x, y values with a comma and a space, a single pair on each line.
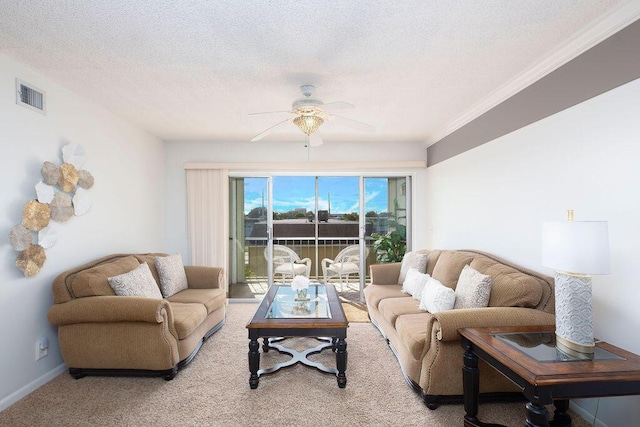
586, 415
31, 387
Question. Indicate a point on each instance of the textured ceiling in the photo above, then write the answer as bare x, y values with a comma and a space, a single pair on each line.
194, 70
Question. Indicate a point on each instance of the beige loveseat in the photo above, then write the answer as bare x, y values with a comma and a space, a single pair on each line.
428, 346
100, 333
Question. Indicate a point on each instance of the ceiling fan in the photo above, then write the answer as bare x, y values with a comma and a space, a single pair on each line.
308, 113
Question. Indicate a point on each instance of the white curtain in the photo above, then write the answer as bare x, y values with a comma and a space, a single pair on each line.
208, 216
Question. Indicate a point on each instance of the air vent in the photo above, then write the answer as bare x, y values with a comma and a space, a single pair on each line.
31, 97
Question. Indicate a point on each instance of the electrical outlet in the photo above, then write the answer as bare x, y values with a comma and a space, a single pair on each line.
42, 348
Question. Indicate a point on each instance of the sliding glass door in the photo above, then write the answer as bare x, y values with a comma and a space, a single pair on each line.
319, 226
339, 237
248, 236
387, 207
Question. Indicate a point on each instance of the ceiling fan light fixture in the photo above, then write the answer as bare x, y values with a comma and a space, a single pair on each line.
308, 124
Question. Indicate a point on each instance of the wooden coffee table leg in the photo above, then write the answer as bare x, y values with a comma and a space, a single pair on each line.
470, 385
560, 416
341, 362
254, 363
537, 415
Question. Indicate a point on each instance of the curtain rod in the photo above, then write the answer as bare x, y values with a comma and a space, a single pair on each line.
315, 166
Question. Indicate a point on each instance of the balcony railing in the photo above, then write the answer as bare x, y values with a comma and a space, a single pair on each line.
255, 263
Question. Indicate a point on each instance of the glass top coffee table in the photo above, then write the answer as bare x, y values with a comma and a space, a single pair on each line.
282, 315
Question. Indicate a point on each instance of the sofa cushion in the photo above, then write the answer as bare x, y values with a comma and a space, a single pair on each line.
187, 317
432, 259
150, 259
212, 299
437, 297
509, 287
473, 289
376, 293
449, 266
93, 281
173, 279
391, 308
414, 331
415, 260
139, 282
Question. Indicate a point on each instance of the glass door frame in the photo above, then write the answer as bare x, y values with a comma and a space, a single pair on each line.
362, 176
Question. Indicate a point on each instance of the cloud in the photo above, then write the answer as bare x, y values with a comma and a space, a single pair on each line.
368, 198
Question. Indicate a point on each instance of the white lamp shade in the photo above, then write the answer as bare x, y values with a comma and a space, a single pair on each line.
576, 246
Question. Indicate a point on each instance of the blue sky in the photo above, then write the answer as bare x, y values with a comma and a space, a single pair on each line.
291, 192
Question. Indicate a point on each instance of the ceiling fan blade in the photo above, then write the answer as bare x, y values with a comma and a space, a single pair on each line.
337, 105
315, 140
268, 131
355, 124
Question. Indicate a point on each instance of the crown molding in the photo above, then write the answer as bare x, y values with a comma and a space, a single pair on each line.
312, 166
584, 40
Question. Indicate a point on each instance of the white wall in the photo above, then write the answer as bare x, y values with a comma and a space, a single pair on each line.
179, 152
127, 213
586, 158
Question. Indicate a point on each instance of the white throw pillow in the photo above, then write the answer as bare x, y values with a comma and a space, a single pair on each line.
139, 282
414, 283
409, 282
412, 260
473, 289
437, 297
173, 278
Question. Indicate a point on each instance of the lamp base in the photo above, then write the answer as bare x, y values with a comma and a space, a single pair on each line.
573, 350
574, 317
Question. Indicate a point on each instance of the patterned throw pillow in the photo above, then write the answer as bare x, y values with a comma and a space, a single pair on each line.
437, 297
139, 282
473, 289
412, 260
414, 283
173, 279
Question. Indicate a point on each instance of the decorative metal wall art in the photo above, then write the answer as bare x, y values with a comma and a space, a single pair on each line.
61, 194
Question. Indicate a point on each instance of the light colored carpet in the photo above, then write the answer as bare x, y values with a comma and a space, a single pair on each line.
214, 390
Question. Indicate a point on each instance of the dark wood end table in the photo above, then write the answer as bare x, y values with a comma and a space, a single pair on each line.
280, 316
529, 358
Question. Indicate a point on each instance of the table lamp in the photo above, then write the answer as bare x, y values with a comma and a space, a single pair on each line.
575, 250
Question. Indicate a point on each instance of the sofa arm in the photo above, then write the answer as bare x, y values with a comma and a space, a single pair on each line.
106, 309
448, 322
201, 277
385, 274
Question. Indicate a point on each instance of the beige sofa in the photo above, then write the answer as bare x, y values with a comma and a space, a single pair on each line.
100, 333
428, 346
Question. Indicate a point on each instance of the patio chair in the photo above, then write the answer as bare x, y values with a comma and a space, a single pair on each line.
287, 263
345, 263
